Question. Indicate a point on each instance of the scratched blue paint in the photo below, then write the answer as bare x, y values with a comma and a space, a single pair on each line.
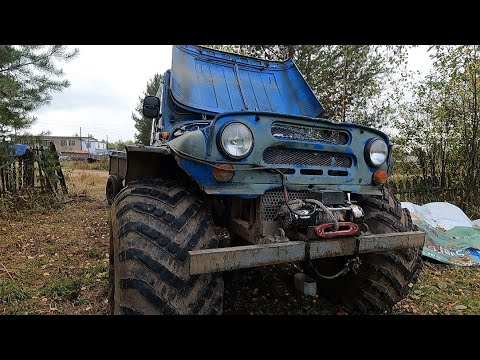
260, 181
216, 82
194, 95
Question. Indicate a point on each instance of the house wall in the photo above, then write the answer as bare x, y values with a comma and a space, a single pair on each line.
72, 143
94, 146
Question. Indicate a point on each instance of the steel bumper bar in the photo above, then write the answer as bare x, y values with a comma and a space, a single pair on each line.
239, 257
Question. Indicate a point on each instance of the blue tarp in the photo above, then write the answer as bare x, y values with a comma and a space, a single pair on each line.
20, 149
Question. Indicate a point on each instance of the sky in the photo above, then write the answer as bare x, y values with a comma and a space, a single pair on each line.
106, 82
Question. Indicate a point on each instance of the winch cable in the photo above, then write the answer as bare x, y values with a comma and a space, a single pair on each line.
313, 201
351, 265
326, 210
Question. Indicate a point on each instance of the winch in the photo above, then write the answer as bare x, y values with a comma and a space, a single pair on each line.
328, 212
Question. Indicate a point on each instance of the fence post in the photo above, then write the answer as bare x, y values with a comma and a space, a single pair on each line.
29, 168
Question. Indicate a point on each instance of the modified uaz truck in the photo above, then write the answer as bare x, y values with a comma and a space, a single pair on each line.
238, 142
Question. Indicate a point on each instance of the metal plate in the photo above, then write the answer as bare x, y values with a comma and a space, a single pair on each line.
213, 260
216, 81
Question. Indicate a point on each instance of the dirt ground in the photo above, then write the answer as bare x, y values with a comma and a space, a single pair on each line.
56, 262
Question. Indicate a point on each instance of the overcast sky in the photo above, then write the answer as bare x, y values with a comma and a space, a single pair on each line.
106, 81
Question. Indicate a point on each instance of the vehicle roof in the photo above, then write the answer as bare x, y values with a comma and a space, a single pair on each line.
207, 80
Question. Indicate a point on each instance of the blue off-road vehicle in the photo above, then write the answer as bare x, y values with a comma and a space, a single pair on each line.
238, 143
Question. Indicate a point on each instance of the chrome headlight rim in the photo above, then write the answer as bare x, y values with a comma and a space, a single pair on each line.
222, 148
367, 153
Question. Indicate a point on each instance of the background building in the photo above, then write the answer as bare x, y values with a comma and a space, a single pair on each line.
73, 145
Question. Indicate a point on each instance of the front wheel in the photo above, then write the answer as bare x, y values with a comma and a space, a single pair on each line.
154, 224
383, 278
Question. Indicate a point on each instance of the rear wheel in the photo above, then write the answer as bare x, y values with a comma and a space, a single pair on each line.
383, 278
113, 187
154, 225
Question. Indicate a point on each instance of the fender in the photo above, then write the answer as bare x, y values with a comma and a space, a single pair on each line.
144, 162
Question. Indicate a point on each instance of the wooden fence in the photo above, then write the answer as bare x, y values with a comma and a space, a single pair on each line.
37, 167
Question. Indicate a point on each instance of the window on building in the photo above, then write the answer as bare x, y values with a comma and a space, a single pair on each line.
72, 142
63, 142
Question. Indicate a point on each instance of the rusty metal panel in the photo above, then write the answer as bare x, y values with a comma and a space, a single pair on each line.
392, 241
118, 164
366, 244
213, 260
331, 248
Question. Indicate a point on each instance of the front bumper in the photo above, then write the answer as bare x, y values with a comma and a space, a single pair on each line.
240, 257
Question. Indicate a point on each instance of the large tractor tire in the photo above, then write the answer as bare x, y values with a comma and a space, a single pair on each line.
153, 226
113, 187
383, 278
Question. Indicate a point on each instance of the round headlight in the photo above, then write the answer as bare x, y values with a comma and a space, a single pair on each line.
236, 140
376, 152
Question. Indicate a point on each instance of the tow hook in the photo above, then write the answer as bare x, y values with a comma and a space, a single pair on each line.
345, 228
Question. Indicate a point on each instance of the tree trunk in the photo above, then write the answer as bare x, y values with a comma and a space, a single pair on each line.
291, 51
344, 100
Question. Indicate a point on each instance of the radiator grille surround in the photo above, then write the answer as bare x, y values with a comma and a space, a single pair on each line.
303, 133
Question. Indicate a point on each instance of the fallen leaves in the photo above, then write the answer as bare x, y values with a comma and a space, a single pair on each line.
48, 252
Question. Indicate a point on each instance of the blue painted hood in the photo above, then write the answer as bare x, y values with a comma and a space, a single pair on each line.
215, 82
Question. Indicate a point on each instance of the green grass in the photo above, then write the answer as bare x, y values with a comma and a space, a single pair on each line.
62, 288
39, 261
93, 274
92, 253
443, 289
10, 291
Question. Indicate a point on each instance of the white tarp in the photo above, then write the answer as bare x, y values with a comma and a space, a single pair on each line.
440, 215
450, 236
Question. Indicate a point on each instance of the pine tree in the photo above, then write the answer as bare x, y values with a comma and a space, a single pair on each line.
143, 124
356, 83
28, 77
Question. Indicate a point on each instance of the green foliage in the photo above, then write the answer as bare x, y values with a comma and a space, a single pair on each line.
356, 83
120, 144
62, 288
10, 291
438, 132
28, 76
143, 124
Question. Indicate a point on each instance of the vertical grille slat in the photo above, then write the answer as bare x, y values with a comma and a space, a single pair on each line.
304, 133
282, 156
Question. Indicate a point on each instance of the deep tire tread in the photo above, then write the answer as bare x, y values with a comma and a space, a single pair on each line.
155, 225
383, 278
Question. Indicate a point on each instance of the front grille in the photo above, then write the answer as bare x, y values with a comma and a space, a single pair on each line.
272, 200
281, 156
304, 133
